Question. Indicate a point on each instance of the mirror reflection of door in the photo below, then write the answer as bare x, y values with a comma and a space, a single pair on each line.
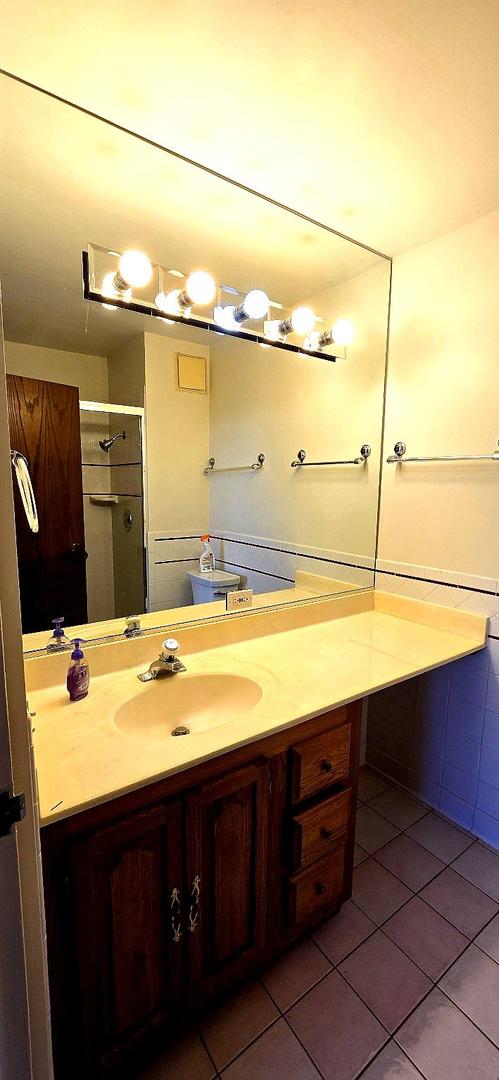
44, 423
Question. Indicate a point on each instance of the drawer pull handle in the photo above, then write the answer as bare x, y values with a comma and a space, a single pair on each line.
326, 833
320, 888
326, 766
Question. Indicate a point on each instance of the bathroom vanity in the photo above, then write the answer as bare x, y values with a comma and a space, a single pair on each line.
161, 900
176, 867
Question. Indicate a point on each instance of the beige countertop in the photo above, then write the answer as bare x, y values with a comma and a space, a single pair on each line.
327, 657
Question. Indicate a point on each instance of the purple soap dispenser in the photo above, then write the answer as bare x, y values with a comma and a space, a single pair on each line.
78, 674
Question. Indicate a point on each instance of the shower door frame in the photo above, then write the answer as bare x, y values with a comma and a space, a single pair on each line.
131, 410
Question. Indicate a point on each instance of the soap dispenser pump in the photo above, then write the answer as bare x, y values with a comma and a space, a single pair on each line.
78, 677
58, 639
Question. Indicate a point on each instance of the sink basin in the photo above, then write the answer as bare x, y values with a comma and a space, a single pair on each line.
192, 702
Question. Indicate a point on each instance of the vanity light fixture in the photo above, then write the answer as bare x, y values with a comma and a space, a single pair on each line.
109, 289
273, 323
200, 288
341, 333
134, 271
168, 302
254, 306
301, 321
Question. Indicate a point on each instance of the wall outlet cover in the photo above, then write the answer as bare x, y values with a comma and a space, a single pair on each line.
240, 598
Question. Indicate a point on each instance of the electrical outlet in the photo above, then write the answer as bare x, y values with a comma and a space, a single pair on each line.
240, 598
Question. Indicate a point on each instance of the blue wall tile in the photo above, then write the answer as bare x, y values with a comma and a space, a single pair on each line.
456, 809
468, 681
489, 767
491, 730
486, 827
465, 718
492, 700
487, 799
462, 752
440, 738
459, 782
494, 655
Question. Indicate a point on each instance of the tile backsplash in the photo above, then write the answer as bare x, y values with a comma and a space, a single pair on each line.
263, 564
438, 734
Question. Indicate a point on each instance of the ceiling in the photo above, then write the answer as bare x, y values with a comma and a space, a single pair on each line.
377, 118
68, 179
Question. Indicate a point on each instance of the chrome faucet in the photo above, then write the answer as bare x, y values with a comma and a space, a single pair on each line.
166, 664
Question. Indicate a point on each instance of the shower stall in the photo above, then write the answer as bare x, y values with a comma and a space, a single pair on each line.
113, 477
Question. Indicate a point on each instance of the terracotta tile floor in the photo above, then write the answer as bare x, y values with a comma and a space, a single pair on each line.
403, 983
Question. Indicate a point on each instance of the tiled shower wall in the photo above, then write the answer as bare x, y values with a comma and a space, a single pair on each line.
438, 734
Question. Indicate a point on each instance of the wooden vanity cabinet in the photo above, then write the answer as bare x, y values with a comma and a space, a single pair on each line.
160, 901
127, 880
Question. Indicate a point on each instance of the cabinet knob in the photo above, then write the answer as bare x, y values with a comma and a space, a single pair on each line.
326, 833
326, 765
320, 888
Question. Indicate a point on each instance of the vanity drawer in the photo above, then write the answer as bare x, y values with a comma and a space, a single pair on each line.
321, 761
318, 887
318, 829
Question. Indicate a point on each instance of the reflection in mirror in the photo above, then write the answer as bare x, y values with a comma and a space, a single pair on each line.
147, 428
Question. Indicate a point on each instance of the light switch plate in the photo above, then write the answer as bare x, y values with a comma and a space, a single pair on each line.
240, 598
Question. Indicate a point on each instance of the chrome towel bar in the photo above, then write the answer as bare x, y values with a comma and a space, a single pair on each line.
300, 462
400, 448
210, 468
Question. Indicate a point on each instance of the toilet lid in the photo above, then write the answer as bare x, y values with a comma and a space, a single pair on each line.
214, 577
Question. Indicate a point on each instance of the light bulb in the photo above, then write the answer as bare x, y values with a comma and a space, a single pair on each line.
343, 332
224, 317
109, 289
169, 303
303, 320
200, 287
135, 269
255, 304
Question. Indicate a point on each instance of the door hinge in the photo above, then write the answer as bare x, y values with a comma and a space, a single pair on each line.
12, 810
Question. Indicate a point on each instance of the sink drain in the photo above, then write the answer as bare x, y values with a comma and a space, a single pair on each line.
181, 730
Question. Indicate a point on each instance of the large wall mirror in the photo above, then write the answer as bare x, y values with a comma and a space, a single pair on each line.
139, 425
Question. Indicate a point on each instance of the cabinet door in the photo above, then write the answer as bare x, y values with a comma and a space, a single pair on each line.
227, 831
129, 938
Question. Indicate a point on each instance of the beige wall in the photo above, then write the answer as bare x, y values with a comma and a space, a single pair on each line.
89, 373
278, 402
443, 398
177, 425
126, 373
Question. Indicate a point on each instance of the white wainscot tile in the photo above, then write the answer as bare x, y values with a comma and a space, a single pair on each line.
478, 603
387, 582
444, 596
473, 581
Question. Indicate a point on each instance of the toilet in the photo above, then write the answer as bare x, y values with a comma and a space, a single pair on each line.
211, 585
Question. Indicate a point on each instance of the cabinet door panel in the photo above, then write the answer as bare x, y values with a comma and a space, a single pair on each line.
227, 830
130, 963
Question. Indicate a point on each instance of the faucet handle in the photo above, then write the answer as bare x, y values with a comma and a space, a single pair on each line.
170, 647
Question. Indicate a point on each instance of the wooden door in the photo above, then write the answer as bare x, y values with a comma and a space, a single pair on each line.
227, 834
127, 882
44, 423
